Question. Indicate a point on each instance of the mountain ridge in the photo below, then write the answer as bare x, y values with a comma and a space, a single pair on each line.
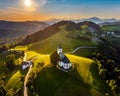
92, 19
28, 26
52, 29
15, 29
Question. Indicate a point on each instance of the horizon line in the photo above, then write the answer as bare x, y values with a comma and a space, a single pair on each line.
61, 19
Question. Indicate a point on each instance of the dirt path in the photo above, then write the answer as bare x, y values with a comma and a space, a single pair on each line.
24, 59
26, 77
25, 82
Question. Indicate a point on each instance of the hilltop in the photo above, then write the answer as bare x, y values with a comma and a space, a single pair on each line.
83, 28
68, 33
82, 80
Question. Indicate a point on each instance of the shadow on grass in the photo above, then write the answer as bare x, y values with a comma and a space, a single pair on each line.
51, 81
98, 83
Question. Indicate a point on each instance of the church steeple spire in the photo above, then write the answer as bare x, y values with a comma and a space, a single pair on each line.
59, 49
59, 46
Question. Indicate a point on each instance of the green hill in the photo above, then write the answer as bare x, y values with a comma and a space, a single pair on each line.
83, 80
46, 80
79, 29
67, 33
49, 45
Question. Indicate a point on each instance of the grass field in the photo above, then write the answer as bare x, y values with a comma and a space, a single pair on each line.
110, 28
49, 81
24, 48
80, 82
49, 45
14, 78
86, 52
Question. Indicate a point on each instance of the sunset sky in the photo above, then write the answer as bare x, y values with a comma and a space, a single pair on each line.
21, 10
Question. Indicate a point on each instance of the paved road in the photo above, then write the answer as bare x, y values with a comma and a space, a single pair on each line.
81, 47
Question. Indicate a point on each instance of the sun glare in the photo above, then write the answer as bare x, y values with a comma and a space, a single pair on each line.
28, 3
32, 5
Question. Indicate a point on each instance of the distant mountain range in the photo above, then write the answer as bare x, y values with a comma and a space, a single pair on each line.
97, 20
10, 29
92, 19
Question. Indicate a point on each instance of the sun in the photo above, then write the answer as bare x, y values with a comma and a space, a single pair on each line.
28, 3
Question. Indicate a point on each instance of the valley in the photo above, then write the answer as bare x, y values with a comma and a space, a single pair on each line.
11, 31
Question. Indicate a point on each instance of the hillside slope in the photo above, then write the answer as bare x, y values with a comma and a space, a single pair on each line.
26, 26
60, 37
10, 34
83, 80
83, 28
46, 80
18, 29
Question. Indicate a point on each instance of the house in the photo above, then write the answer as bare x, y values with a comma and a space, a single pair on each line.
26, 64
64, 62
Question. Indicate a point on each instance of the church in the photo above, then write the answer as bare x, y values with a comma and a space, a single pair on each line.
64, 62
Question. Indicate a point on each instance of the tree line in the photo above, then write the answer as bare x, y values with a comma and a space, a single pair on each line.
10, 62
107, 57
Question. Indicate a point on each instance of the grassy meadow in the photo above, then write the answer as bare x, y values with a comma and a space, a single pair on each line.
79, 81
49, 45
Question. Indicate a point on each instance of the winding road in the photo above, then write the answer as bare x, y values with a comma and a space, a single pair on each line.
25, 55
81, 47
26, 77
25, 82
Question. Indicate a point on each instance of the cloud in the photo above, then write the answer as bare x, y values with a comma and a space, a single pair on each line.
12, 13
20, 12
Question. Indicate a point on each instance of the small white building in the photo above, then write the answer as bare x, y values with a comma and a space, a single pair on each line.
26, 64
64, 61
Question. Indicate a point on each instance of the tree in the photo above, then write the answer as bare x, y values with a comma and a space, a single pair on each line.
2, 88
10, 92
10, 65
108, 57
54, 58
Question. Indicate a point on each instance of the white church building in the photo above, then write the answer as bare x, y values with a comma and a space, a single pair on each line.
64, 61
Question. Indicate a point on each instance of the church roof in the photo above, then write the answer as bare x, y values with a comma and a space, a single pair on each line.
61, 56
64, 58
